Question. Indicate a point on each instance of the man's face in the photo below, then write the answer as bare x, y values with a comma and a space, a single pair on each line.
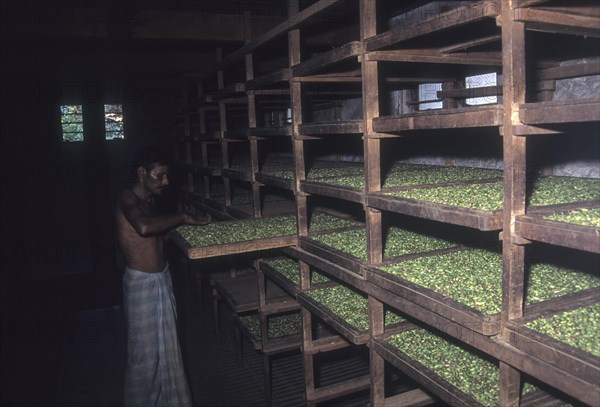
157, 179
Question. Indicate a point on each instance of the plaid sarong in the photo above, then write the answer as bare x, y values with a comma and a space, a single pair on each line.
155, 375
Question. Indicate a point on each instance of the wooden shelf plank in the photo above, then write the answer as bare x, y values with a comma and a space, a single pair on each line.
233, 248
486, 116
237, 175
334, 56
560, 111
343, 274
318, 188
573, 361
442, 305
325, 393
454, 18
270, 131
281, 75
532, 227
411, 398
482, 220
352, 334
436, 56
267, 179
236, 134
436, 384
310, 12
341, 127
554, 21
332, 255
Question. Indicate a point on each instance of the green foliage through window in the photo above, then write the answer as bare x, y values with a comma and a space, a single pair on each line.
113, 122
71, 119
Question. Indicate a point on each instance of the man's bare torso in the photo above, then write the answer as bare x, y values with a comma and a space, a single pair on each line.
141, 253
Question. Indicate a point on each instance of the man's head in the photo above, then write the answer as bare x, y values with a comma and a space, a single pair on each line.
151, 166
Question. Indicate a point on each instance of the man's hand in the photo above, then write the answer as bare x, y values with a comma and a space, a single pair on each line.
190, 219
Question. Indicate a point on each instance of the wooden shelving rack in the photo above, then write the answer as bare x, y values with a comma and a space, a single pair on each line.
491, 36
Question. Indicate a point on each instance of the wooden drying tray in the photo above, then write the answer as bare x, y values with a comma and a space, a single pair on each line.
436, 384
279, 279
448, 307
331, 128
332, 255
569, 359
238, 175
281, 75
533, 226
279, 182
453, 18
272, 345
278, 131
560, 111
346, 193
474, 218
351, 333
483, 116
232, 248
433, 301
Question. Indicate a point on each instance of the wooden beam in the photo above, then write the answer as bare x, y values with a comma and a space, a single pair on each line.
334, 56
569, 71
556, 21
450, 19
436, 57
470, 44
299, 18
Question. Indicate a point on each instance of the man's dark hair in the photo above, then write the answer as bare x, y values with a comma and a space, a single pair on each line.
151, 156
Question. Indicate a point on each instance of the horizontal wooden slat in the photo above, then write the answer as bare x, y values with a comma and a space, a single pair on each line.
559, 22
341, 127
270, 131
302, 17
443, 21
349, 332
441, 119
558, 233
334, 56
412, 398
560, 111
482, 220
351, 386
437, 57
347, 194
281, 75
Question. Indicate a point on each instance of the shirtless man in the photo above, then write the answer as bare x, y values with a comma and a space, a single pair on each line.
155, 375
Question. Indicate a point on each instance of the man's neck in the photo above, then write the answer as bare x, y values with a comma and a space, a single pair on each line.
141, 193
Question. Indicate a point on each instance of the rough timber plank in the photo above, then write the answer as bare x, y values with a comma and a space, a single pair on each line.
561, 111
482, 220
453, 18
325, 393
441, 119
295, 21
349, 332
574, 361
412, 398
342, 127
558, 22
348, 194
334, 56
281, 75
437, 57
270, 131
536, 228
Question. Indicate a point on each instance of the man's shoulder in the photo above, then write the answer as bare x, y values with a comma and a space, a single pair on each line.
126, 197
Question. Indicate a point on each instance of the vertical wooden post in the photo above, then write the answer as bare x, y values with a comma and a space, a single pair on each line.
371, 146
296, 106
251, 103
376, 327
513, 66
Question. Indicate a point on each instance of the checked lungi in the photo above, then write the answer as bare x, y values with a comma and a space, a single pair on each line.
155, 375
